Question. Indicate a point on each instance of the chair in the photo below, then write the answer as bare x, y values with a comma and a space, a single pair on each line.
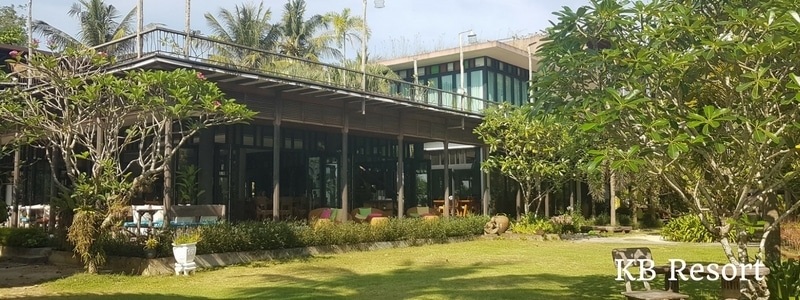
365, 214
263, 207
323, 213
622, 256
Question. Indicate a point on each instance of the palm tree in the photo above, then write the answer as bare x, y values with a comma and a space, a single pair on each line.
98, 25
247, 25
300, 37
346, 27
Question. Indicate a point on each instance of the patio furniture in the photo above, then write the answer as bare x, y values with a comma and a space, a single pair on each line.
195, 215
621, 257
365, 214
420, 211
324, 213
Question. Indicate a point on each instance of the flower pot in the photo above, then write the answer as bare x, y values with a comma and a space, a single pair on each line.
502, 223
150, 253
184, 253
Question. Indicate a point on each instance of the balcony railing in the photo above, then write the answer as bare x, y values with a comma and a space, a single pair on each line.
206, 50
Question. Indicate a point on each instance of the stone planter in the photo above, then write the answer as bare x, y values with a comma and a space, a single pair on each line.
184, 257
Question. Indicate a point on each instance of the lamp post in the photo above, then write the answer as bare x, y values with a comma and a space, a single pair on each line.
364, 39
471, 37
530, 72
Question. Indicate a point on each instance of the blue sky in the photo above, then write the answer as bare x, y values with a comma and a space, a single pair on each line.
402, 27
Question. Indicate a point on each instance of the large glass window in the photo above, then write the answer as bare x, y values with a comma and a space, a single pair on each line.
500, 96
433, 95
476, 90
517, 96
508, 91
448, 85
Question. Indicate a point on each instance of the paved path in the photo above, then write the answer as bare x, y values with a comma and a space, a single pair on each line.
17, 275
635, 238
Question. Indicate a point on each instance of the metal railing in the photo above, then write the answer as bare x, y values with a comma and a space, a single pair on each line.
168, 42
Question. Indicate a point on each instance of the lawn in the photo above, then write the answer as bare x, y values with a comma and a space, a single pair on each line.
482, 269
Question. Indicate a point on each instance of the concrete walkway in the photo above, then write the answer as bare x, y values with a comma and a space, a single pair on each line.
635, 238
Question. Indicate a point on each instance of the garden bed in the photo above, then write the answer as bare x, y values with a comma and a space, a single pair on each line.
164, 265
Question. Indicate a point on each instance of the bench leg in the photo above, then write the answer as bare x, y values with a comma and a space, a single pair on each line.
672, 285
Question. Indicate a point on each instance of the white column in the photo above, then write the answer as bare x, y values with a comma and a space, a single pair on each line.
139, 27
484, 183
446, 175
345, 199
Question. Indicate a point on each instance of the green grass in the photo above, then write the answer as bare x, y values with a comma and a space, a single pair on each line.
483, 269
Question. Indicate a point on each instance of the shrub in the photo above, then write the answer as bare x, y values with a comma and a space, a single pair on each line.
624, 220
563, 224
790, 238
783, 280
651, 220
3, 212
530, 224
602, 220
688, 228
23, 237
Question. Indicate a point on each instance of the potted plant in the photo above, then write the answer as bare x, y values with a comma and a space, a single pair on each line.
150, 247
184, 248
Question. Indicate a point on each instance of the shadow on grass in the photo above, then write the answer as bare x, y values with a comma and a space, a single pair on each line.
112, 296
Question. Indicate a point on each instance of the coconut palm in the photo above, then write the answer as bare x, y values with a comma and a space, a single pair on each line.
98, 25
346, 28
247, 25
303, 38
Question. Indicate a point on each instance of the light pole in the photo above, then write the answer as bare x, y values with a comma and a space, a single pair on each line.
530, 72
471, 37
378, 4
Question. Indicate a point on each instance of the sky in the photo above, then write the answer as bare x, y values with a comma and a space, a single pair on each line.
401, 28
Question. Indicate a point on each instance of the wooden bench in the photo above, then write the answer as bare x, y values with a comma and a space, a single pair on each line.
623, 256
194, 215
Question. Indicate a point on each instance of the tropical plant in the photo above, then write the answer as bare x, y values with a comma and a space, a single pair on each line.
300, 37
12, 26
187, 236
83, 112
527, 150
346, 28
99, 23
186, 182
247, 25
151, 244
702, 94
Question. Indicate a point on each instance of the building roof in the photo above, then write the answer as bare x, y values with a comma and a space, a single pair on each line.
512, 51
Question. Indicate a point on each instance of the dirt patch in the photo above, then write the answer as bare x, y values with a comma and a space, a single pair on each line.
13, 275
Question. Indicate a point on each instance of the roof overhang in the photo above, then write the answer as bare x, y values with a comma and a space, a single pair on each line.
494, 49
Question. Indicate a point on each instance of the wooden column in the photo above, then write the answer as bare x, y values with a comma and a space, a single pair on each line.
446, 174
276, 161
344, 165
15, 182
400, 177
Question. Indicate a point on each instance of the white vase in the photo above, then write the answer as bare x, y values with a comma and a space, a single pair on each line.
184, 253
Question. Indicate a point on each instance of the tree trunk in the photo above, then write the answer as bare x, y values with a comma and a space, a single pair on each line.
772, 250
613, 198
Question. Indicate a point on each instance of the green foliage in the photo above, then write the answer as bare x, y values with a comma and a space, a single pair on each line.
783, 280
3, 209
531, 224
689, 229
602, 220
529, 149
187, 235
12, 26
624, 220
23, 237
188, 187
650, 220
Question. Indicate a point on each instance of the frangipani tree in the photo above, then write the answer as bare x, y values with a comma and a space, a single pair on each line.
703, 94
87, 118
531, 151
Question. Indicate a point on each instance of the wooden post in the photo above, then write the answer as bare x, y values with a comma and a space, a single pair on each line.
344, 165
276, 160
400, 178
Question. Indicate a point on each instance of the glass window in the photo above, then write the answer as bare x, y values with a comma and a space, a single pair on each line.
476, 90
448, 85
491, 89
450, 67
515, 88
402, 74
434, 70
421, 71
433, 95
219, 137
508, 91
500, 96
480, 62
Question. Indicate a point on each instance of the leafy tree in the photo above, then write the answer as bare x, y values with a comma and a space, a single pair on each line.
529, 150
99, 24
300, 37
12, 26
90, 118
247, 25
703, 94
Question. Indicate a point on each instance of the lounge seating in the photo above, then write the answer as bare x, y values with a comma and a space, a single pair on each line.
420, 211
324, 213
365, 214
623, 255
194, 215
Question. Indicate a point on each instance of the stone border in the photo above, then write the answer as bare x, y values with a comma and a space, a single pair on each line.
165, 265
6, 251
